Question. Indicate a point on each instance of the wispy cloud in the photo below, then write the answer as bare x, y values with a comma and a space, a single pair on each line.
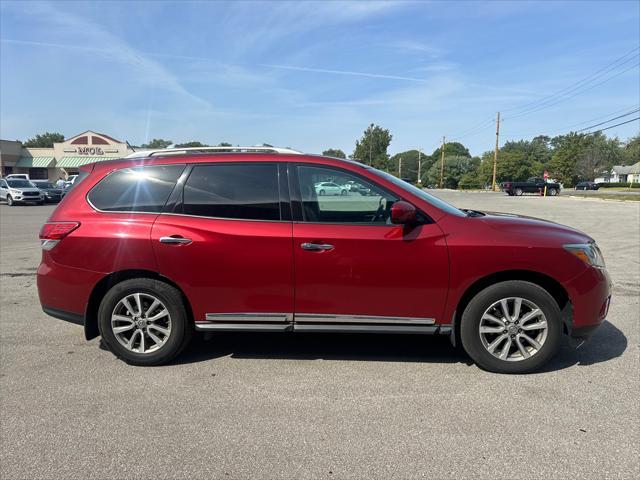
342, 72
90, 36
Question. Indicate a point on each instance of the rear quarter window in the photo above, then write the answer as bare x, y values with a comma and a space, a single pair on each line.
138, 189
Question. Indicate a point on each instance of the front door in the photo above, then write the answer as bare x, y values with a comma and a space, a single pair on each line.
227, 244
353, 267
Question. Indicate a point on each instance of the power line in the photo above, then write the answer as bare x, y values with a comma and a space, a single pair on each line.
610, 120
562, 99
480, 126
587, 79
596, 118
613, 126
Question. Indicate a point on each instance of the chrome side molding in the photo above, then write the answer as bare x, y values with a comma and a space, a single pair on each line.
367, 319
249, 317
247, 327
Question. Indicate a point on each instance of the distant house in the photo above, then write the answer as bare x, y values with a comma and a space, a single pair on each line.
621, 174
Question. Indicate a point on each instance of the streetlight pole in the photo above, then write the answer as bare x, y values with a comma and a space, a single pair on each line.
442, 163
419, 165
400, 167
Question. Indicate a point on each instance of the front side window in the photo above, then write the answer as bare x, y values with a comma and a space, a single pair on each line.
247, 191
138, 189
334, 196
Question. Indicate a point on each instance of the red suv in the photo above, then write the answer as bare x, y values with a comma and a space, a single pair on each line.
144, 251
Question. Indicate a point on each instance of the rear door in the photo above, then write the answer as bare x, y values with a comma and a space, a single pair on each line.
225, 239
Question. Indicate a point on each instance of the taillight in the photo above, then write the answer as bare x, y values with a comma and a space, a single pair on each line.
52, 233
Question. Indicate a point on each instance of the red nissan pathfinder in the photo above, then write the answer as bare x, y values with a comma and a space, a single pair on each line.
145, 250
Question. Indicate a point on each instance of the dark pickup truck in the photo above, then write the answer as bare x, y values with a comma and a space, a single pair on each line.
532, 185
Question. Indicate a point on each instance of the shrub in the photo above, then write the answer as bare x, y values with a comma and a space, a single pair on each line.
619, 184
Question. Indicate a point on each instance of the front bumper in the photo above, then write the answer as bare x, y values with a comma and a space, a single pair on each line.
590, 295
27, 199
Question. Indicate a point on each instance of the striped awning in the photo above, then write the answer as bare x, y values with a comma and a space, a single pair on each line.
35, 162
75, 162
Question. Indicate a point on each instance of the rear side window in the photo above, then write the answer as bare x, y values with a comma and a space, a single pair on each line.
139, 189
239, 191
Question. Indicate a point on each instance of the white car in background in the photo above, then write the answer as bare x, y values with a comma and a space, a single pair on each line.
330, 188
18, 190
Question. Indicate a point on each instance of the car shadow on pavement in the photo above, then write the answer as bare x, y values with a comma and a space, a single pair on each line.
326, 346
607, 343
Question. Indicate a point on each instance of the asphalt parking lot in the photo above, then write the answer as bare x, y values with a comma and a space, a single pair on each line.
324, 406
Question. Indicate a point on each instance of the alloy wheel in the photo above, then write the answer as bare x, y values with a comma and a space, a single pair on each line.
141, 323
513, 329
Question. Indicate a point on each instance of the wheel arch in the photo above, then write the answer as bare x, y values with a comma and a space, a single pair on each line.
91, 329
551, 285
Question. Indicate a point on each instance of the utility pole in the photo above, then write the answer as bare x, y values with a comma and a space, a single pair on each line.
400, 167
442, 163
495, 153
419, 166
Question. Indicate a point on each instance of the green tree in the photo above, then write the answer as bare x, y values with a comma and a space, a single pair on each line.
410, 164
334, 152
455, 167
451, 149
191, 144
44, 140
224, 144
157, 143
371, 149
631, 151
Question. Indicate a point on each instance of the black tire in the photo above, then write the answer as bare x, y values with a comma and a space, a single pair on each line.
40, 203
181, 325
518, 192
552, 192
344, 192
470, 325
321, 193
10, 201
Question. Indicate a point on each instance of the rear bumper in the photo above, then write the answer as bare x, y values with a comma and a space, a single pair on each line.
64, 291
62, 315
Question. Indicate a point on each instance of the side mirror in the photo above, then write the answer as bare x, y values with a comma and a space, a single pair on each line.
403, 213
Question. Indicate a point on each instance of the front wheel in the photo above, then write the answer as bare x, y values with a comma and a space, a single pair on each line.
553, 192
344, 193
10, 201
144, 321
511, 327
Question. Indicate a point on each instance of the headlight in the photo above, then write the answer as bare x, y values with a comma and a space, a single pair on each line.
589, 253
13, 190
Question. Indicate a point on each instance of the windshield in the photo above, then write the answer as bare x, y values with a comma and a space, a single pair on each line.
20, 184
44, 185
435, 201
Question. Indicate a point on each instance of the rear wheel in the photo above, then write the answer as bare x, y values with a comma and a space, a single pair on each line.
511, 327
518, 192
553, 192
321, 192
144, 321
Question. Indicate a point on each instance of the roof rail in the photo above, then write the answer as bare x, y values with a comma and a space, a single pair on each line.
186, 150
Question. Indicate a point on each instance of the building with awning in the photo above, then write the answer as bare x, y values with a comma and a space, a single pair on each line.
63, 159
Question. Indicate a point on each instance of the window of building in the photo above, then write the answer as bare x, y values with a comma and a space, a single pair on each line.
140, 189
98, 141
80, 141
240, 191
334, 196
38, 173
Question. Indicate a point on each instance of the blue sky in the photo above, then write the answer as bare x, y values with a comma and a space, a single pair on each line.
314, 75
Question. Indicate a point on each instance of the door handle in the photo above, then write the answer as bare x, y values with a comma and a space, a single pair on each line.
317, 247
175, 240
